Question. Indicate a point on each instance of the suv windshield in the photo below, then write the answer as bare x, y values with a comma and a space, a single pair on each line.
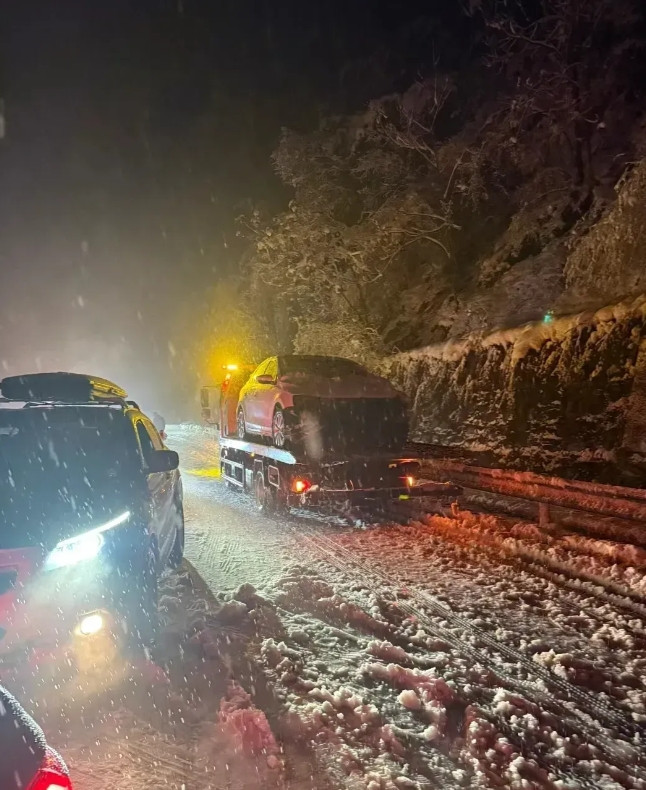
329, 367
60, 467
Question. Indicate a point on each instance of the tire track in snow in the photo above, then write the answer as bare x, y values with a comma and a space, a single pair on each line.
566, 774
564, 577
597, 711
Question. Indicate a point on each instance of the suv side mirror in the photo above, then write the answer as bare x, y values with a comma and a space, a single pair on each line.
163, 461
265, 379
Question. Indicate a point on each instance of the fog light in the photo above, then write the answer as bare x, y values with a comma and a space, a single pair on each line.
91, 624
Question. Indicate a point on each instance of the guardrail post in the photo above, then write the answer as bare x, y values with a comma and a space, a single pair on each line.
543, 514
634, 438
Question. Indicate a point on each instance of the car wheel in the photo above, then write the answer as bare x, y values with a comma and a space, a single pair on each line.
177, 552
279, 429
139, 604
241, 423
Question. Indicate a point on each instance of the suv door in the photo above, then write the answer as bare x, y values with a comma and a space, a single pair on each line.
161, 487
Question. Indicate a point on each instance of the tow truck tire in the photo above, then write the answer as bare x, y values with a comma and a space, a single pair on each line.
177, 552
262, 494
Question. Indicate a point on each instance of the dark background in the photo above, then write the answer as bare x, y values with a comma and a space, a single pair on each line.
137, 131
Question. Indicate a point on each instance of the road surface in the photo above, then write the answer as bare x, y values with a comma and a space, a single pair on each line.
227, 540
461, 651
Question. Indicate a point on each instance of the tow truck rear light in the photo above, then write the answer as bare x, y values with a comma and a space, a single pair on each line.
300, 485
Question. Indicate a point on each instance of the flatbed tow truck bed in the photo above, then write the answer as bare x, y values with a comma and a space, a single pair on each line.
279, 479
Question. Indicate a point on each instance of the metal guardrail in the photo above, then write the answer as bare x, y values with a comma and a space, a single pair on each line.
592, 498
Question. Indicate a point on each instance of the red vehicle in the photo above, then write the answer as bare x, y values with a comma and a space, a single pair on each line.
27, 762
325, 403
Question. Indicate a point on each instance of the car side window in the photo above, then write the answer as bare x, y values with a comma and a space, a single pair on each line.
147, 440
272, 368
156, 439
260, 369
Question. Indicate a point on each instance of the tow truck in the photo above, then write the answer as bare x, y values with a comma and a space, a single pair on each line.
280, 479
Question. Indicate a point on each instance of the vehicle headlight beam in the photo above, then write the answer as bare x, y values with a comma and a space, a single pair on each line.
82, 547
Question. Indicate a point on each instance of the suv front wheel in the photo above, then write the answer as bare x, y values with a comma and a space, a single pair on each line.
177, 552
138, 604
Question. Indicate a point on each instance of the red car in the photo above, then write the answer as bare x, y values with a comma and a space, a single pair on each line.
323, 404
27, 762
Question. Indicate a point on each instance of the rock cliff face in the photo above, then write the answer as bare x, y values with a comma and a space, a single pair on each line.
562, 396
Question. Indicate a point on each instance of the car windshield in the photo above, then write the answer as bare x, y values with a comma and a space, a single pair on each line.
329, 367
59, 466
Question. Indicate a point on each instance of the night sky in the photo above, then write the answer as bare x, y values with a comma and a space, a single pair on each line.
135, 133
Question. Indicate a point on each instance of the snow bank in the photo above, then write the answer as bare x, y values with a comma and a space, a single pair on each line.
246, 724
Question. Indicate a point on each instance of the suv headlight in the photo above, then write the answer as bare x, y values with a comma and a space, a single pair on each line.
82, 547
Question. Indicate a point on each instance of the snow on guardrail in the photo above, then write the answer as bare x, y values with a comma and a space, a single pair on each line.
595, 498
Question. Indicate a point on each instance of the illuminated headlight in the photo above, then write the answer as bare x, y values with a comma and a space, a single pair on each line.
83, 547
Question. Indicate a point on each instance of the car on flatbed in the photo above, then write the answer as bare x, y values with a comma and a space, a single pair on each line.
91, 511
321, 404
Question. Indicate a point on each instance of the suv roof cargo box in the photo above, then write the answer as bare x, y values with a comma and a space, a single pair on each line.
65, 387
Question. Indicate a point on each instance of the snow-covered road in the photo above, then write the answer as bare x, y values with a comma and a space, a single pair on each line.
462, 651
227, 540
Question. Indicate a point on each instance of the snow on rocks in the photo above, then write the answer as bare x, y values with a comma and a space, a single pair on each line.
409, 699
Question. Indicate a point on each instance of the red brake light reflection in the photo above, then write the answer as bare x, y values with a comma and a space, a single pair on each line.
52, 775
300, 485
50, 780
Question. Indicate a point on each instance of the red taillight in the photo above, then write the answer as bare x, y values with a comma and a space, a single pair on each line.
50, 780
300, 485
51, 775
